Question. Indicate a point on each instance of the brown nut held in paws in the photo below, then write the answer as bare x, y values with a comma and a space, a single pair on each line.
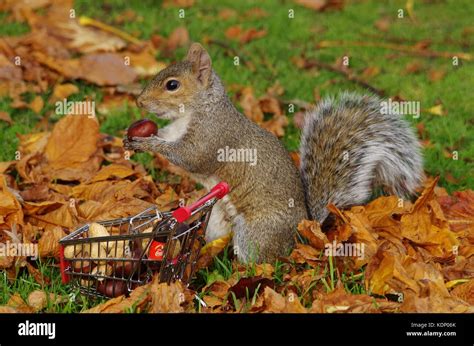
142, 128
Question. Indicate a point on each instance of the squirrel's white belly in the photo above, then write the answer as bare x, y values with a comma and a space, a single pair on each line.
222, 213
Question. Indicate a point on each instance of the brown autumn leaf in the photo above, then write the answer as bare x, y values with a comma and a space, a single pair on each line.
4, 116
250, 105
6, 261
144, 62
276, 303
370, 72
33, 143
37, 104
48, 245
256, 12
305, 279
459, 210
276, 125
178, 3
178, 38
413, 67
218, 288
295, 156
426, 225
339, 301
211, 250
383, 24
431, 299
226, 13
10, 207
121, 304
386, 273
270, 104
16, 302
85, 39
362, 235
8, 310
63, 91
248, 286
244, 35
36, 274
72, 148
213, 302
465, 292
303, 253
37, 192
311, 230
106, 69
114, 171
435, 75
166, 297
321, 5
8, 70
264, 269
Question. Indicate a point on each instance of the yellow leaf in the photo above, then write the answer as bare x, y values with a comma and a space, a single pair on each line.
436, 110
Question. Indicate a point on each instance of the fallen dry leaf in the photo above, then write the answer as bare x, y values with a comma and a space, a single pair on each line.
311, 230
63, 91
465, 292
16, 302
211, 250
48, 245
4, 116
321, 5
244, 35
276, 303
37, 104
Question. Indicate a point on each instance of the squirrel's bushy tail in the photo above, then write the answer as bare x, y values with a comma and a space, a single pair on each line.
349, 146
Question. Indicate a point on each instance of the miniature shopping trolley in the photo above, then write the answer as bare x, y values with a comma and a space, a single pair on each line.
111, 258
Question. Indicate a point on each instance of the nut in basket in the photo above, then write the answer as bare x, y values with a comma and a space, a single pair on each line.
111, 258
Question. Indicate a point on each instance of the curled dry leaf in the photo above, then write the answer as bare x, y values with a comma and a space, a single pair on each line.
10, 207
63, 91
275, 302
248, 286
311, 230
212, 249
37, 275
37, 104
339, 301
166, 298
8, 310
244, 35
306, 254
48, 245
4, 116
465, 292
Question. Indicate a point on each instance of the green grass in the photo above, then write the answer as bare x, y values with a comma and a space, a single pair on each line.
25, 284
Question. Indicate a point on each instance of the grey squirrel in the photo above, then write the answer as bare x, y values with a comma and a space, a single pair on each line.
347, 147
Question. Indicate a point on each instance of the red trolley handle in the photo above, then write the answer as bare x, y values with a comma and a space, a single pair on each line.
183, 213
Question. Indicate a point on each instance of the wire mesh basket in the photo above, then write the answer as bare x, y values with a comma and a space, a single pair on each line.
111, 258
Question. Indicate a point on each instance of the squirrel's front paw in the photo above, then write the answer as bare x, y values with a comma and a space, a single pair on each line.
136, 143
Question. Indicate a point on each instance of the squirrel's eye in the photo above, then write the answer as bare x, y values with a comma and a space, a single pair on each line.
172, 85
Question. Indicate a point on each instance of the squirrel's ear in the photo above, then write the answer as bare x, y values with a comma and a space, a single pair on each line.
201, 61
